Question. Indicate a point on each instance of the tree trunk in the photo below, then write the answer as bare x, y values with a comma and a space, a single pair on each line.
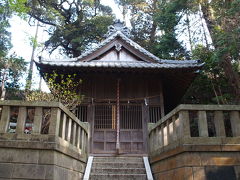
154, 25
209, 19
3, 89
226, 61
232, 76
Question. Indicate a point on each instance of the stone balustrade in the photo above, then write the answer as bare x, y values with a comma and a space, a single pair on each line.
196, 142
195, 124
44, 119
41, 140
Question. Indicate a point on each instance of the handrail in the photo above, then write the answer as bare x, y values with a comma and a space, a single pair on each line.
194, 121
57, 121
196, 107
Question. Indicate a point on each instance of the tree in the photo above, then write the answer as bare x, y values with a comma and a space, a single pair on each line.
210, 86
11, 66
11, 69
74, 26
5, 35
64, 88
222, 19
154, 26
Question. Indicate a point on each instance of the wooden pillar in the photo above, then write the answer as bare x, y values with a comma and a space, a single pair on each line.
37, 122
90, 117
118, 116
22, 115
219, 124
145, 121
202, 124
162, 100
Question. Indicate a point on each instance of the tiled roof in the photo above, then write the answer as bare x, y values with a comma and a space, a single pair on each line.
125, 64
113, 33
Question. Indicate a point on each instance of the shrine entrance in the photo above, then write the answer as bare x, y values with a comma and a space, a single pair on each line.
131, 129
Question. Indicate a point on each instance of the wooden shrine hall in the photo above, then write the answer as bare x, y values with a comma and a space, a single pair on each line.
125, 87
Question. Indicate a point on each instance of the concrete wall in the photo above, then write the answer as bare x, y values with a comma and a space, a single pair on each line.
197, 163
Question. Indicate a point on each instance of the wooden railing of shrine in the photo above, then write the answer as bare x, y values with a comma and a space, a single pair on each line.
200, 125
43, 122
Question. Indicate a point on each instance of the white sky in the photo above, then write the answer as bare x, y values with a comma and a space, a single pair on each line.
22, 32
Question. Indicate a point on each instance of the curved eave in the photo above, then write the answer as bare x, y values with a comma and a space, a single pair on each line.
118, 66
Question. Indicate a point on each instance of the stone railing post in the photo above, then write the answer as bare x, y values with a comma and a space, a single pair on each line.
175, 126
79, 138
74, 133
202, 124
184, 124
37, 122
64, 121
88, 138
170, 130
54, 121
235, 122
22, 115
219, 124
83, 148
165, 135
69, 129
5, 118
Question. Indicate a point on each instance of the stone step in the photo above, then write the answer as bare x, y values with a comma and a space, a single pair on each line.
117, 159
118, 177
118, 171
117, 165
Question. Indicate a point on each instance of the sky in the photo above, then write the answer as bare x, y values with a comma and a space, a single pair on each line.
21, 34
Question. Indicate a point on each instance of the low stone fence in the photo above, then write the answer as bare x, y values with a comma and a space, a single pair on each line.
41, 140
196, 142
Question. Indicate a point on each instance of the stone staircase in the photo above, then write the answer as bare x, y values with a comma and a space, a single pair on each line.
121, 168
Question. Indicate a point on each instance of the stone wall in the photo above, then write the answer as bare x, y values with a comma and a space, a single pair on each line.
197, 163
21, 162
196, 142
54, 148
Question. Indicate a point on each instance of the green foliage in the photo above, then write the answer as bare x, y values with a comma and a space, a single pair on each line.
5, 35
39, 96
12, 68
153, 26
64, 88
74, 25
19, 7
210, 87
167, 19
77, 37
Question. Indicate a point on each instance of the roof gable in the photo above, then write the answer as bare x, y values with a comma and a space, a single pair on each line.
122, 46
119, 51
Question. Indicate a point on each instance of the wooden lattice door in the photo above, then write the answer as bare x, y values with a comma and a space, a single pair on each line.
105, 129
